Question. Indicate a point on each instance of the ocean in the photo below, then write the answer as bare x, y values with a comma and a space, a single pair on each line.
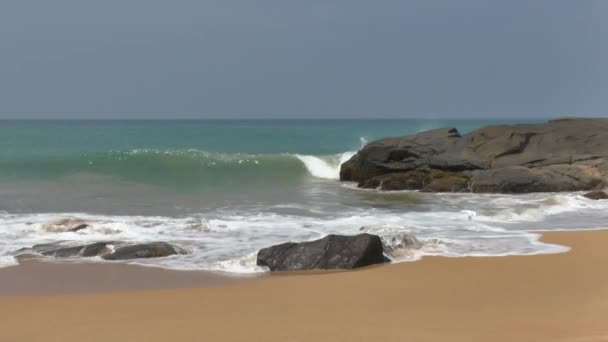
223, 189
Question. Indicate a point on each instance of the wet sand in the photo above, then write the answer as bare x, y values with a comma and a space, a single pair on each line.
47, 278
560, 297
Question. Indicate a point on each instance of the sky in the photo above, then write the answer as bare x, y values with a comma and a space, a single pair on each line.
303, 59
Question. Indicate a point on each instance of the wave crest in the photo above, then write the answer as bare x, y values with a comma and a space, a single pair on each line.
179, 167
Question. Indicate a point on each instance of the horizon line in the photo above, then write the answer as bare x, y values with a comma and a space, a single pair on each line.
303, 118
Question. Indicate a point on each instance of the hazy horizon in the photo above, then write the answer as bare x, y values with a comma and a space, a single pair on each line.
135, 59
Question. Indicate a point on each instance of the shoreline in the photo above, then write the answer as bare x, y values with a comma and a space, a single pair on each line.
550, 297
38, 277
47, 278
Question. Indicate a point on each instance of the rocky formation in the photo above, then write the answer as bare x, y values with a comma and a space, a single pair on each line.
596, 195
560, 155
109, 250
330, 252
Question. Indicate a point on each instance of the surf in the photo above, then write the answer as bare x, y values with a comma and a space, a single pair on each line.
190, 167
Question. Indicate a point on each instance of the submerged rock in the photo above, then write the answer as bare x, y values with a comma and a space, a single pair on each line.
596, 195
560, 155
68, 224
144, 250
59, 250
330, 252
109, 250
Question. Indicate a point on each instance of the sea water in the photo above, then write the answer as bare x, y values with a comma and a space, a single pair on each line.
223, 189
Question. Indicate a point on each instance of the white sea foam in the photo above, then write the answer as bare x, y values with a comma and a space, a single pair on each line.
325, 167
328, 167
227, 240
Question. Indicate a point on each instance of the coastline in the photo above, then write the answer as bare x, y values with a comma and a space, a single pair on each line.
39, 278
551, 297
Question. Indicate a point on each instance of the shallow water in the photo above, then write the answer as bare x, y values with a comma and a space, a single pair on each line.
224, 189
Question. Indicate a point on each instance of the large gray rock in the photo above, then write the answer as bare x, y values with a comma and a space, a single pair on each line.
330, 252
560, 155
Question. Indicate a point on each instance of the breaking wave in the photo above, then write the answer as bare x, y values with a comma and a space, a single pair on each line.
179, 167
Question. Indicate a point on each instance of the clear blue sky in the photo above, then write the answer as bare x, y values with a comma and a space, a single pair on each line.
314, 58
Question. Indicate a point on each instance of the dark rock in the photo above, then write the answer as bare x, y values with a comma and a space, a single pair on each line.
145, 250
59, 250
79, 227
452, 183
412, 180
399, 154
95, 249
330, 252
596, 195
121, 252
67, 224
560, 155
426, 181
518, 179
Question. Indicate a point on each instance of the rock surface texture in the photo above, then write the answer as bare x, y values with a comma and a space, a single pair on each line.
560, 155
330, 252
597, 195
109, 250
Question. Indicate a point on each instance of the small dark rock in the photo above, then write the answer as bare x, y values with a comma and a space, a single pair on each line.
330, 252
79, 227
596, 195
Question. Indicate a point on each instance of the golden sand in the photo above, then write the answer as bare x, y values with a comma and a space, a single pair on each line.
560, 297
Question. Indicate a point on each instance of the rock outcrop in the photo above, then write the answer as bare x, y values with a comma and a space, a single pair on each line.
560, 155
330, 252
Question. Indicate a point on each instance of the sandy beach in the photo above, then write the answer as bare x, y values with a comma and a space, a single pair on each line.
560, 297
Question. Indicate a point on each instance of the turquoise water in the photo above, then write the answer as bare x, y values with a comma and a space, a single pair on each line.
226, 136
223, 189
190, 154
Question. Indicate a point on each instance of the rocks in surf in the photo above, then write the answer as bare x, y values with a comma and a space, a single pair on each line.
67, 224
330, 252
108, 250
144, 250
596, 195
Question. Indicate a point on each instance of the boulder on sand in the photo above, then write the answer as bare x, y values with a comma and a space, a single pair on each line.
560, 155
330, 252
